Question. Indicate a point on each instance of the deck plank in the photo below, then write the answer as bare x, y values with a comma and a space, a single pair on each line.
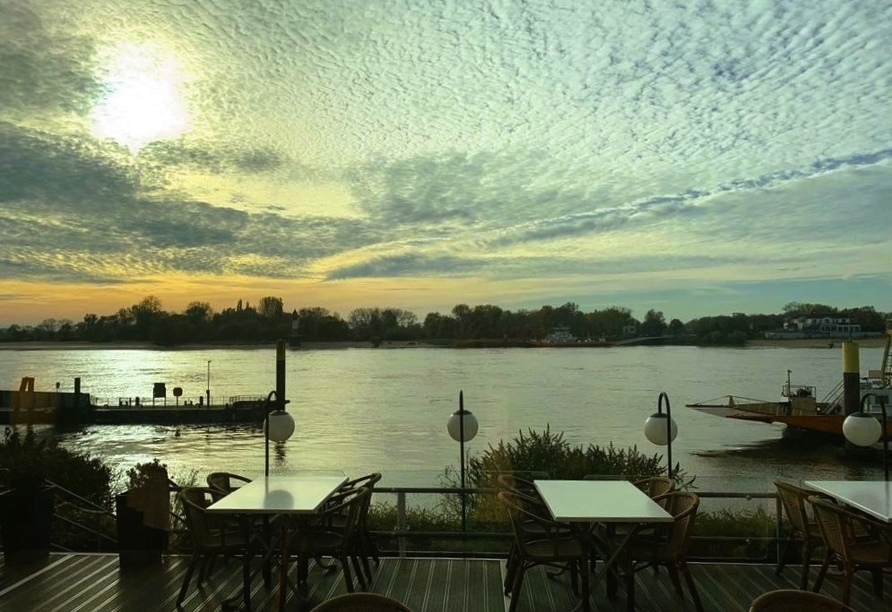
93, 582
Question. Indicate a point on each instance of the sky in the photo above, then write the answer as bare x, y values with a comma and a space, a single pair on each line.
697, 158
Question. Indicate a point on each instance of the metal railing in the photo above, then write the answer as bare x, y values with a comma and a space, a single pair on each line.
493, 539
404, 535
72, 510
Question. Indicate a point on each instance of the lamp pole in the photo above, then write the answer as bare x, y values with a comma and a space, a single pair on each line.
279, 424
462, 426
882, 403
661, 429
862, 429
209, 383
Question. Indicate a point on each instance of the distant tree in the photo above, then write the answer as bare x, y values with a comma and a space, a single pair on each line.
145, 316
271, 307
47, 328
199, 312
609, 322
801, 309
462, 314
654, 323
439, 327
676, 328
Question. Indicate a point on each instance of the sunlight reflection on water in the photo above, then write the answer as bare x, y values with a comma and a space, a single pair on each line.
362, 410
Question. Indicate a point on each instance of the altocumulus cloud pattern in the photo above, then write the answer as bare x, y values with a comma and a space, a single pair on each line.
678, 155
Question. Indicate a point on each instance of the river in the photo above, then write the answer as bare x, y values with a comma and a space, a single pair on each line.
359, 410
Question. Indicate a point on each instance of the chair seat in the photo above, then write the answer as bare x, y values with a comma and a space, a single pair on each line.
875, 552
562, 549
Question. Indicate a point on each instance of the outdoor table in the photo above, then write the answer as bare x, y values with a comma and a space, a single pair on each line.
873, 497
292, 497
613, 502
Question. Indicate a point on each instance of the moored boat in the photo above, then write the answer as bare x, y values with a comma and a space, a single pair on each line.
799, 408
26, 406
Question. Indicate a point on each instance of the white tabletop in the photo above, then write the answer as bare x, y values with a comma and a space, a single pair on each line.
601, 501
873, 497
300, 494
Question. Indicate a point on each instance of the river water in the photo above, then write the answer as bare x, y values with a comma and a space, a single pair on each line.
361, 410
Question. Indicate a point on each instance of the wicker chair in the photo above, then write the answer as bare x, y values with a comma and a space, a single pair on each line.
803, 528
665, 546
366, 547
327, 538
655, 485
791, 600
528, 498
226, 481
361, 602
550, 543
210, 538
841, 529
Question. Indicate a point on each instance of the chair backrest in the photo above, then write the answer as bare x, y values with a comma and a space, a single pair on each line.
361, 602
226, 481
795, 502
839, 526
682, 505
369, 480
348, 504
195, 501
530, 520
656, 485
794, 600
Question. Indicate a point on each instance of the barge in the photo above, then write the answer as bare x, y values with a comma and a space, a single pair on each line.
26, 406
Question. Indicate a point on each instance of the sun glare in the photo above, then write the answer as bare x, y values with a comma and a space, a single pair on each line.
143, 101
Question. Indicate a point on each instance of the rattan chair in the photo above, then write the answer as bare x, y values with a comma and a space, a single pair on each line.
361, 602
528, 498
550, 543
655, 485
849, 544
366, 546
791, 600
803, 528
210, 538
665, 546
326, 538
226, 481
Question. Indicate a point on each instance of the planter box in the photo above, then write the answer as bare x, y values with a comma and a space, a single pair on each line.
26, 524
138, 544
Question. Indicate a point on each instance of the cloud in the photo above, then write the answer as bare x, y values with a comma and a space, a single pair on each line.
557, 146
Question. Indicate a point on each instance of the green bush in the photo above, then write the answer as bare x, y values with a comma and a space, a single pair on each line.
734, 534
26, 461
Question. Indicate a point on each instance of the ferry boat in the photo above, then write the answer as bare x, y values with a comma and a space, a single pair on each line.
799, 407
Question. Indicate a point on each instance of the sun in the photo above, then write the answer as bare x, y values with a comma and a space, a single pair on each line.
144, 101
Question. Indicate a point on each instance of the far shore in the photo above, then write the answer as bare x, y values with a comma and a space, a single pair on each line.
874, 342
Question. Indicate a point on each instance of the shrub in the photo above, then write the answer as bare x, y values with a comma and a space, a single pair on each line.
543, 454
27, 461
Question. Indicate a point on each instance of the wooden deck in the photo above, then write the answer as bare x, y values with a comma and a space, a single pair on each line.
93, 582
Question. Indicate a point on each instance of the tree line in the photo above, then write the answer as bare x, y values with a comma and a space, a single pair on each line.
268, 320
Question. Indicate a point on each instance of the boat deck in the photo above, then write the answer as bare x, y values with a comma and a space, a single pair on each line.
94, 583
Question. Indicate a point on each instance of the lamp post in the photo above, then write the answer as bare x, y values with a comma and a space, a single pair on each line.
660, 429
279, 424
462, 427
209, 383
862, 429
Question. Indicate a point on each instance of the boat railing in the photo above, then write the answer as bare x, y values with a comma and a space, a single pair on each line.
247, 399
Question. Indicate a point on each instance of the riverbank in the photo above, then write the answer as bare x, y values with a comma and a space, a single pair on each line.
876, 342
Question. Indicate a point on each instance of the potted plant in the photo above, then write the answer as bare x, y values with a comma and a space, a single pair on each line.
27, 502
143, 515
